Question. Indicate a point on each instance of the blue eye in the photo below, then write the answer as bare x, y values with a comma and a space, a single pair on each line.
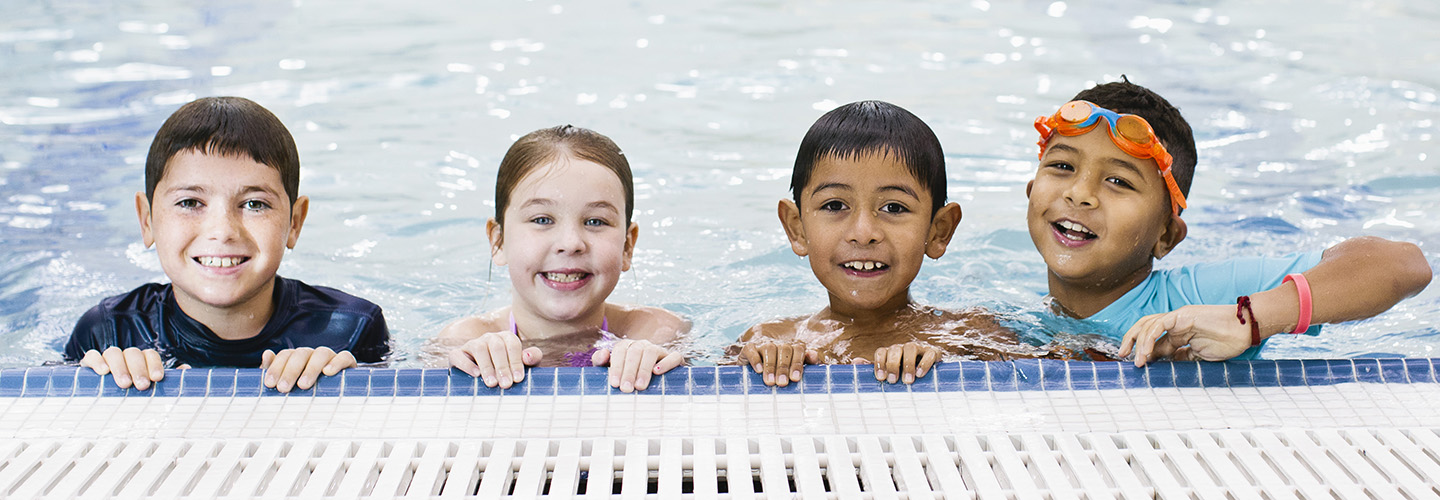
894, 208
833, 206
255, 205
542, 220
596, 222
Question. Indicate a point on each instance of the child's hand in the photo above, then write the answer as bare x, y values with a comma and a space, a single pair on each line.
906, 362
780, 362
1211, 332
496, 358
127, 366
632, 362
300, 368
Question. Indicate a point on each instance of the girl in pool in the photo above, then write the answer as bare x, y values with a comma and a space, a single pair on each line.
563, 201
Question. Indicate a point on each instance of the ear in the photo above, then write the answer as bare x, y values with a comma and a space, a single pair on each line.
1175, 231
142, 210
497, 241
789, 214
942, 228
298, 211
1028, 186
631, 235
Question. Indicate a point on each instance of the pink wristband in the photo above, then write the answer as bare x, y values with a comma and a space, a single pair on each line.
1303, 288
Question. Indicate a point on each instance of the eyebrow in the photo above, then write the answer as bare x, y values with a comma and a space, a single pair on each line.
548, 202
201, 189
847, 187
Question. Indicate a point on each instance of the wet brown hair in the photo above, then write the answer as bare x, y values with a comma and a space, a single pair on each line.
225, 126
541, 147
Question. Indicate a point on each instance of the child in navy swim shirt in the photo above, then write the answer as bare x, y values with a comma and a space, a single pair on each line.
221, 205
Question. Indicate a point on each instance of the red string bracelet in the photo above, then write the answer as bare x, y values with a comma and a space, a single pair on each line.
1242, 305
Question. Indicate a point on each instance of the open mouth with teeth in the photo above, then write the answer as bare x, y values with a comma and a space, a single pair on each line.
864, 267
221, 262
565, 277
1073, 231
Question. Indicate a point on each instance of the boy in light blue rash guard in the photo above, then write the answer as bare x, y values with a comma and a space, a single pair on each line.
1115, 165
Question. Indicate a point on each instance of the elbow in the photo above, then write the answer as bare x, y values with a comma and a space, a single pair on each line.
1413, 272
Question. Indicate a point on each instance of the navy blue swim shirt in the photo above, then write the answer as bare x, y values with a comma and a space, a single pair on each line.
305, 316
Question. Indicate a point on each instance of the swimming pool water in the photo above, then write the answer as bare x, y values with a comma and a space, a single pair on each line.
1315, 123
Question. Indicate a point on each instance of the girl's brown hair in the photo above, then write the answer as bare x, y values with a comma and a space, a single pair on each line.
541, 147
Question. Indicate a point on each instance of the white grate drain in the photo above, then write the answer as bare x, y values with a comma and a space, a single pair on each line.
1273, 464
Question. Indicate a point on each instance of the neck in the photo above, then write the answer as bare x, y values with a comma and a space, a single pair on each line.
885, 315
532, 326
1084, 298
237, 322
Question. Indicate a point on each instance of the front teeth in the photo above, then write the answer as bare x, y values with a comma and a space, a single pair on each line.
564, 277
864, 265
1075, 228
220, 261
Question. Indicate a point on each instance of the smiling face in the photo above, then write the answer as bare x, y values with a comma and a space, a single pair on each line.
866, 227
220, 225
1098, 215
565, 241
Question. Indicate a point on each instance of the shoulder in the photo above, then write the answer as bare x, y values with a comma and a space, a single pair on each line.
971, 322
306, 297
470, 327
645, 322
124, 320
779, 329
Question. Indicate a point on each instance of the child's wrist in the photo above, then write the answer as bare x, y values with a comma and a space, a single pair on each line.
1277, 309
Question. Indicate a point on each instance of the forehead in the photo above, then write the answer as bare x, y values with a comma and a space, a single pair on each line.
191, 167
864, 171
569, 179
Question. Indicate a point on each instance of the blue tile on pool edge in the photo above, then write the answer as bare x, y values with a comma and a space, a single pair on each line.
1135, 378
1317, 372
1393, 371
1002, 375
222, 382
1107, 374
540, 380
435, 382
842, 379
1082, 375
1418, 369
168, 387
1237, 374
924, 384
1341, 370
595, 380
731, 379
755, 383
354, 382
462, 384
1028, 376
975, 375
1264, 373
408, 382
865, 379
1290, 372
193, 383
567, 382
1187, 373
1054, 375
247, 382
675, 382
703, 381
947, 377
815, 379
37, 382
1160, 374
12, 383
382, 382
87, 382
62, 383
1367, 370
1212, 374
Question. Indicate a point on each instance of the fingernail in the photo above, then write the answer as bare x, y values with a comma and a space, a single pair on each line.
795, 375
641, 387
909, 378
880, 375
891, 378
307, 382
769, 379
626, 387
526, 356
489, 381
519, 375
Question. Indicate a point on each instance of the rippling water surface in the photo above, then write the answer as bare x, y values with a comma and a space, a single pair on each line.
1315, 122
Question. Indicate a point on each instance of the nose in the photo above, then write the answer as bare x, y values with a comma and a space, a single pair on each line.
865, 229
571, 239
1081, 192
223, 225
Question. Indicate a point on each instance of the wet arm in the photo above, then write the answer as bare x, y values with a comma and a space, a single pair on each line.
1356, 279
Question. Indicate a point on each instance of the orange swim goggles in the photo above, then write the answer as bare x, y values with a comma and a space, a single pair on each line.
1131, 133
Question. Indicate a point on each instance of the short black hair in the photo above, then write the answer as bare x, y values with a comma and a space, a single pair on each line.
1171, 128
869, 127
225, 126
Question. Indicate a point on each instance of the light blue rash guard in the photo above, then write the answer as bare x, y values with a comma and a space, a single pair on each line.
1210, 283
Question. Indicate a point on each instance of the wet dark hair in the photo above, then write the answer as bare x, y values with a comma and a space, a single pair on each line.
225, 126
873, 127
539, 148
1171, 128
